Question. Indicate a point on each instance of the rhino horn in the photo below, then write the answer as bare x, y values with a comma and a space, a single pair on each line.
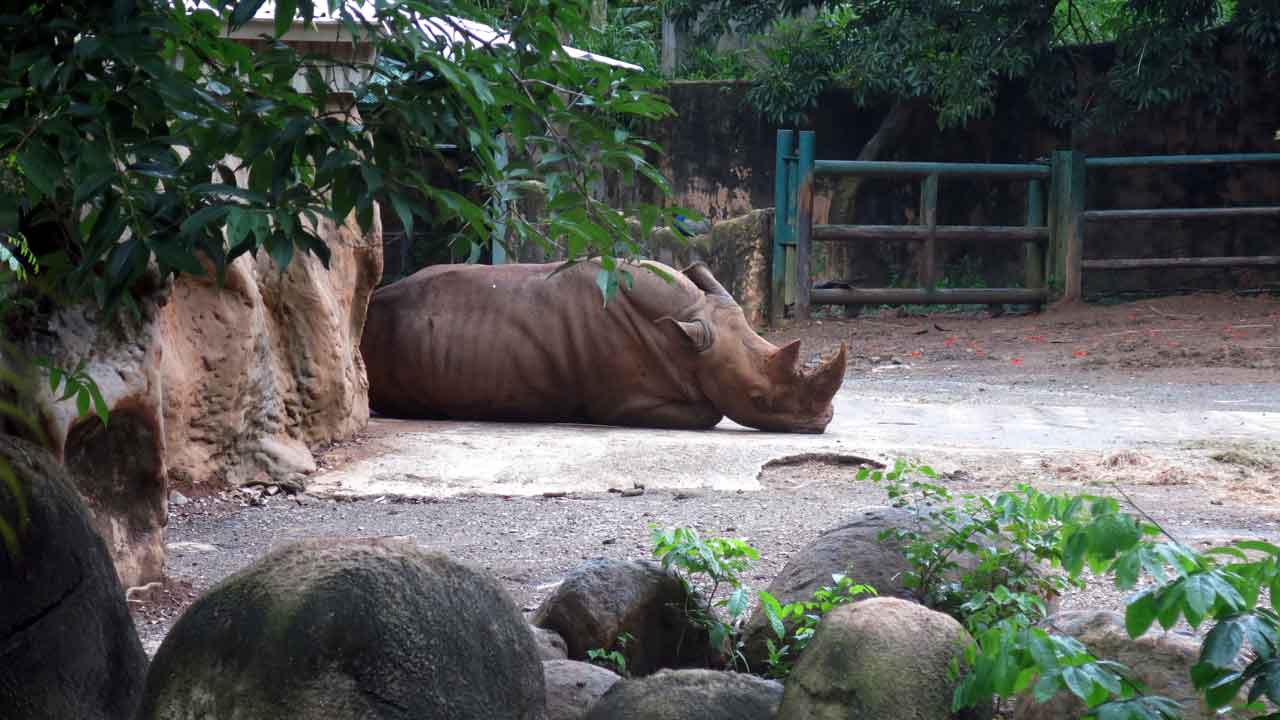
827, 378
701, 276
782, 363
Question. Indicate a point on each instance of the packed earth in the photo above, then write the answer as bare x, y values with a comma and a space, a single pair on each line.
1160, 368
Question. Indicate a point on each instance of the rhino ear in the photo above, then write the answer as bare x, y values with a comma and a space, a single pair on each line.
695, 335
782, 363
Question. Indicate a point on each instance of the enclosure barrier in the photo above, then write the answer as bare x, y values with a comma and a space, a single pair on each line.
1074, 241
1055, 241
795, 170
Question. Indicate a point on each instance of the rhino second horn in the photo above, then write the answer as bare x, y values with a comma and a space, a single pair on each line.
828, 377
701, 276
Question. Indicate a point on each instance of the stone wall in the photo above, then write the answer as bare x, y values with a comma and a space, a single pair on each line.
720, 158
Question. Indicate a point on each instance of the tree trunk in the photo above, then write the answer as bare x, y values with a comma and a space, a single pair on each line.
599, 14
844, 200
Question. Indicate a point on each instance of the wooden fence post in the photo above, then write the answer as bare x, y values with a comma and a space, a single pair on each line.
1066, 231
929, 218
1033, 252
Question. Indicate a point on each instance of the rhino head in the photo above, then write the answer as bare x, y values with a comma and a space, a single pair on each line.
752, 381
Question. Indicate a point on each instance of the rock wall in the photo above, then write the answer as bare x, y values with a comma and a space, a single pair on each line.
213, 387
719, 156
258, 371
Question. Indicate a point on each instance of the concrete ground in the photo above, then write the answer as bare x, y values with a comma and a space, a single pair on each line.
877, 416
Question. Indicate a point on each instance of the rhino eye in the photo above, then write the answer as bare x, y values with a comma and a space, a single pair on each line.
761, 403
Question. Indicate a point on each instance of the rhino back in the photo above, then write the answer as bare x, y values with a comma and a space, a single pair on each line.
513, 342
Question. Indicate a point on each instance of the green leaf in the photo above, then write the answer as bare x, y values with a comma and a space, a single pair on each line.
1222, 644
608, 284
41, 166
1078, 682
1259, 546
773, 613
1199, 594
55, 379
737, 602
1140, 613
99, 404
405, 213
203, 217
285, 10
83, 400
280, 247
1224, 692
244, 12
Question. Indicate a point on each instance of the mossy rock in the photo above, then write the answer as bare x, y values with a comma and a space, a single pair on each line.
68, 648
880, 659
349, 629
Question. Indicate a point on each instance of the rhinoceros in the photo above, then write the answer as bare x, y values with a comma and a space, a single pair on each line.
526, 343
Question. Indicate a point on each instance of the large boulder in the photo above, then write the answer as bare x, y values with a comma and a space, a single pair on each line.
349, 629
740, 254
853, 548
211, 384
602, 599
68, 648
1162, 661
119, 468
690, 695
574, 687
881, 659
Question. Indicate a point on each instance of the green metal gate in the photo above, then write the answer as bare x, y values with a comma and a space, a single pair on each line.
1076, 265
1054, 240
796, 169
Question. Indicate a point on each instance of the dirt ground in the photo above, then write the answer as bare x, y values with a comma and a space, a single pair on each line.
1231, 334
1205, 351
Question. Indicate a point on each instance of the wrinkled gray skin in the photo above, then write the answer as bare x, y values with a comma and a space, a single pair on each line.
517, 342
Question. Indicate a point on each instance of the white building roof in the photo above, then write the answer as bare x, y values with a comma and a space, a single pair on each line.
327, 27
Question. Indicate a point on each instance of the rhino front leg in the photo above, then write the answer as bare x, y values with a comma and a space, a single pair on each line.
667, 415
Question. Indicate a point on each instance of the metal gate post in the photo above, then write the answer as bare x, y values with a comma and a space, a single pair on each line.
804, 221
782, 192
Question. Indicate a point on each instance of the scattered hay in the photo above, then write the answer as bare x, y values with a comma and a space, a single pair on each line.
1126, 458
1171, 476
1253, 458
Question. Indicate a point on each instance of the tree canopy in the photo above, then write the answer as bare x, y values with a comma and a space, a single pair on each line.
953, 54
137, 136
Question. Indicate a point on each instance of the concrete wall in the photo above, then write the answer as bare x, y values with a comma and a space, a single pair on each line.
719, 157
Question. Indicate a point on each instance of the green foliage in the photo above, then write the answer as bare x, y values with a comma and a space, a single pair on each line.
808, 615
633, 34
76, 384
139, 133
612, 659
18, 265
701, 63
17, 259
720, 562
1015, 534
954, 56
